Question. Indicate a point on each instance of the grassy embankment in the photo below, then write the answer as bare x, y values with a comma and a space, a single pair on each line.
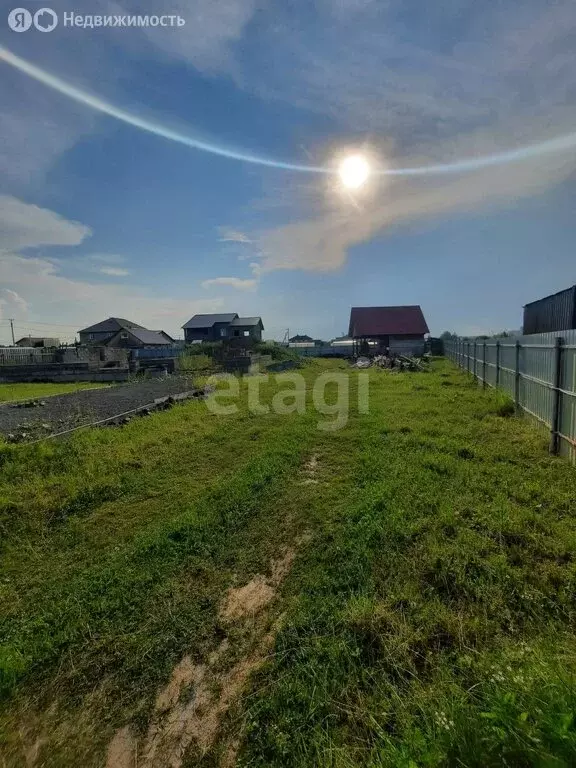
38, 390
429, 620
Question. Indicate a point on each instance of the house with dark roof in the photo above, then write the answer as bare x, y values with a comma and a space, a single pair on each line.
301, 338
133, 338
401, 329
222, 327
38, 341
118, 332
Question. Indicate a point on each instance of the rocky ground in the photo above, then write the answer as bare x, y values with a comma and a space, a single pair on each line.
35, 418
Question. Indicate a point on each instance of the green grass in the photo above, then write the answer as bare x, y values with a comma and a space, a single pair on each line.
429, 621
9, 392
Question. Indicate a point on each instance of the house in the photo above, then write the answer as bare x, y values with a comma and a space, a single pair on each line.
133, 338
399, 328
222, 327
301, 339
118, 332
37, 341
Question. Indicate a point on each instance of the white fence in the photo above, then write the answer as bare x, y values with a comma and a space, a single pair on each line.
537, 371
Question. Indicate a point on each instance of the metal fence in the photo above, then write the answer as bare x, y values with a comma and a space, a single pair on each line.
537, 371
23, 355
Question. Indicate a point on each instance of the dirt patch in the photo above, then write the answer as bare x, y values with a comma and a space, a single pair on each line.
230, 754
182, 675
32, 753
250, 599
189, 709
122, 750
197, 721
309, 471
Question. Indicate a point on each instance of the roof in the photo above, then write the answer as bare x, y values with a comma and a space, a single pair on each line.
38, 338
381, 321
565, 290
207, 321
301, 337
165, 334
148, 337
111, 325
247, 321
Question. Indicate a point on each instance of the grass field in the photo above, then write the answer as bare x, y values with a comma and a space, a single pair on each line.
9, 392
399, 592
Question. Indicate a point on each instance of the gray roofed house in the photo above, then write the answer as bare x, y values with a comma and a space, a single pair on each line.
139, 337
219, 327
100, 333
207, 321
118, 332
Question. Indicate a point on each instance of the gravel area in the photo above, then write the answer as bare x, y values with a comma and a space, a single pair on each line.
61, 412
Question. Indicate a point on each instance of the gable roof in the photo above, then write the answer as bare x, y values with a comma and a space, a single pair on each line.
247, 321
301, 337
207, 321
111, 325
149, 337
381, 321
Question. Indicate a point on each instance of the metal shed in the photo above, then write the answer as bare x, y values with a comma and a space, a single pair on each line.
552, 313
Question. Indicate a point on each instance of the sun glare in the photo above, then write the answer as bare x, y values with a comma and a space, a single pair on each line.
354, 171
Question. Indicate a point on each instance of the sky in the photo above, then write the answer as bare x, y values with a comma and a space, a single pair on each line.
154, 173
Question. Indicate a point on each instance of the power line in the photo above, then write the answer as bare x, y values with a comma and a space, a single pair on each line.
54, 325
23, 328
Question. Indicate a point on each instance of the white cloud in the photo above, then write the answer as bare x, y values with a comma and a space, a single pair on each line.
228, 235
321, 244
232, 282
12, 305
114, 271
27, 226
212, 28
35, 290
106, 258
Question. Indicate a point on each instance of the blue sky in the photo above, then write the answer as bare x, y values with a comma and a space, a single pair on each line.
100, 218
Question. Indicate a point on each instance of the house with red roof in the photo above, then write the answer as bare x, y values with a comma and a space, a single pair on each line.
399, 329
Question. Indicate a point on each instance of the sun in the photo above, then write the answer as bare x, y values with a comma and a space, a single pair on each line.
354, 171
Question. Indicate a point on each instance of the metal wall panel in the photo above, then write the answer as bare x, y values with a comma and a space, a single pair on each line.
524, 367
552, 313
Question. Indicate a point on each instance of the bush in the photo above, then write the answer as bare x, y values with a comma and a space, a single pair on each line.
276, 351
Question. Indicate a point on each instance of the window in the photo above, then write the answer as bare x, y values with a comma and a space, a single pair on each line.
246, 333
123, 335
222, 331
91, 336
236, 333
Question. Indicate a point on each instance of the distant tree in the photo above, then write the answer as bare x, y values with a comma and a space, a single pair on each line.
448, 335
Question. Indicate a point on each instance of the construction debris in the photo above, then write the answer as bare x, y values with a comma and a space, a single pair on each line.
393, 362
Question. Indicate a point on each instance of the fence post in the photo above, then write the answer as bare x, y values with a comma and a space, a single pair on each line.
517, 378
468, 356
497, 364
484, 365
557, 373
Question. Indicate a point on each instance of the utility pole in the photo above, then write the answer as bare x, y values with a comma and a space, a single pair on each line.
12, 329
